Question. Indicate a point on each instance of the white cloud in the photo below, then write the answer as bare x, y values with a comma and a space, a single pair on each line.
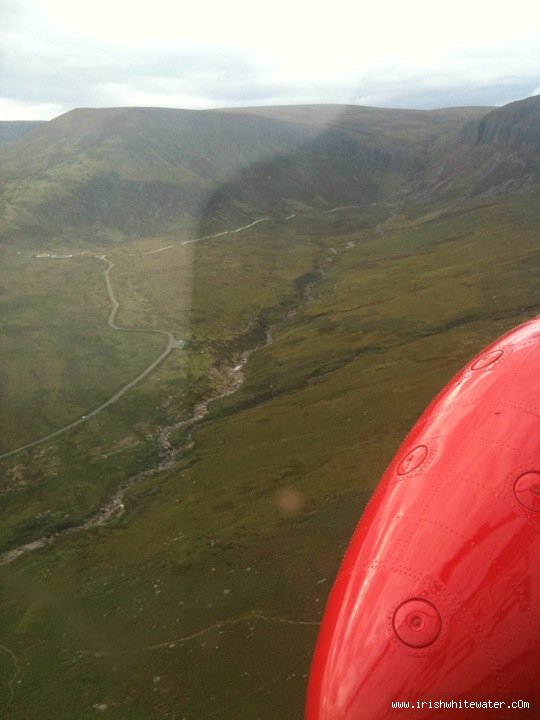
20, 110
214, 53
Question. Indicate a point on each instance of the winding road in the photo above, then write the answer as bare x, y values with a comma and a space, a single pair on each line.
172, 343
16, 672
229, 232
115, 505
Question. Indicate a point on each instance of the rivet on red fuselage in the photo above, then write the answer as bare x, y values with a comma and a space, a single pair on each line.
527, 490
412, 460
487, 359
417, 623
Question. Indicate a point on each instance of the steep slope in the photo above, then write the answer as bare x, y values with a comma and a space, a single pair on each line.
514, 127
201, 597
360, 155
114, 173
128, 172
13, 130
491, 155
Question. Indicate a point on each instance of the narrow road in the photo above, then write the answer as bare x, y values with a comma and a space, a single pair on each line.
16, 672
227, 232
115, 505
153, 252
172, 343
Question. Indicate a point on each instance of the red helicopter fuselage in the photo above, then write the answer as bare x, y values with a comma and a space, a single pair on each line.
438, 596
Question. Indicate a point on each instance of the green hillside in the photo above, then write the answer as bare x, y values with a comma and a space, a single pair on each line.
493, 156
12, 130
110, 174
168, 539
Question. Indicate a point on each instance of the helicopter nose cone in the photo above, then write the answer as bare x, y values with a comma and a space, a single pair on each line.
437, 601
382, 641
391, 642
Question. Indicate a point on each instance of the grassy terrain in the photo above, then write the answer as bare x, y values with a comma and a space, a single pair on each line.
203, 600
11, 130
59, 358
62, 360
117, 173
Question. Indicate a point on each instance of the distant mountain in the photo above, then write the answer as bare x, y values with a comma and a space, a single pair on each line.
514, 127
13, 130
128, 172
490, 155
358, 155
109, 174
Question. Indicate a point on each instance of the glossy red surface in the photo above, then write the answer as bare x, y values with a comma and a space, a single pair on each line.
438, 596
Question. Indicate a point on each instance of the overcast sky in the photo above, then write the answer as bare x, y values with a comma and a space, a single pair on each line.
59, 54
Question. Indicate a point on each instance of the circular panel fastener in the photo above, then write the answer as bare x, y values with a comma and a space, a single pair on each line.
527, 490
412, 460
487, 359
417, 623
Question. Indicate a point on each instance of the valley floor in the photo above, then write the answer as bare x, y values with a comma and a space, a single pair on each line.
201, 594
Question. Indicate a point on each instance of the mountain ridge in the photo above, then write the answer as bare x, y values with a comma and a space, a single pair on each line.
238, 466
115, 173
497, 153
12, 130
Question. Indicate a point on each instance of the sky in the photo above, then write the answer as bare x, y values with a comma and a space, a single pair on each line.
56, 55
